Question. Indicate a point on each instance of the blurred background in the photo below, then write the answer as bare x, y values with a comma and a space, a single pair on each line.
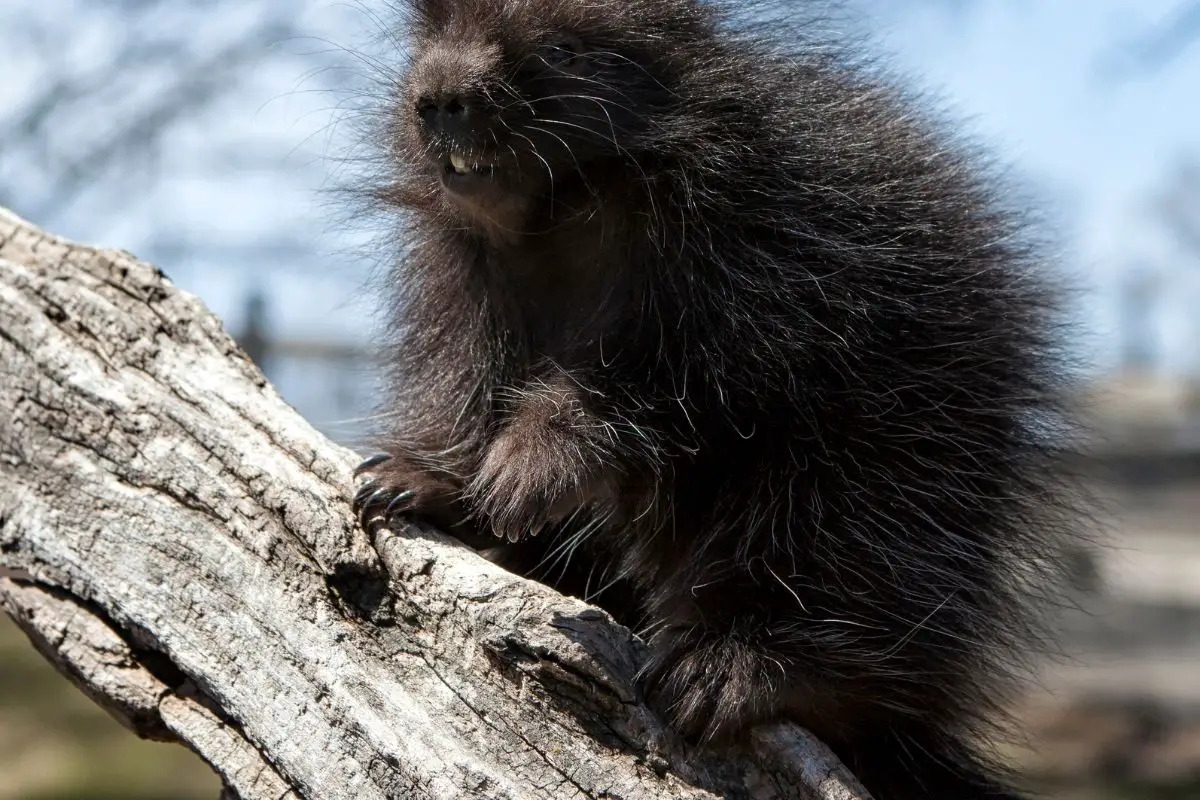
212, 138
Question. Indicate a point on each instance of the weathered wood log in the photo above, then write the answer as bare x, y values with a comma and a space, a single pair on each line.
178, 541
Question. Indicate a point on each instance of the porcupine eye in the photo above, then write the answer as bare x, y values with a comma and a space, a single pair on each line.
561, 52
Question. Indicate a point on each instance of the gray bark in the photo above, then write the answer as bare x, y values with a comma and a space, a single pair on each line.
178, 541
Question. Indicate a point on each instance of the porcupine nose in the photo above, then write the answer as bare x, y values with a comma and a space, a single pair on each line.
449, 113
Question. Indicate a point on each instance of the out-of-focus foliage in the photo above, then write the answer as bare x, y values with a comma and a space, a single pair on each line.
55, 744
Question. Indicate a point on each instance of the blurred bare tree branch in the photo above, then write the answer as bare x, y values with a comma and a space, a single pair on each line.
1149, 51
1179, 206
112, 99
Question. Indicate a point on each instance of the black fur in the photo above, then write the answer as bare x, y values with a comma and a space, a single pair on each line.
730, 336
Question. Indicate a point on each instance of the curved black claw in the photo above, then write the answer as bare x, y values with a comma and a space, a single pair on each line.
372, 504
371, 462
364, 491
378, 498
399, 503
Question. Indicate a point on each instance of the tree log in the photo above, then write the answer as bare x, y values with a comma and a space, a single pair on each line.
178, 541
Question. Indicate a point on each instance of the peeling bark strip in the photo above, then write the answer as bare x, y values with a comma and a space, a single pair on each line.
178, 542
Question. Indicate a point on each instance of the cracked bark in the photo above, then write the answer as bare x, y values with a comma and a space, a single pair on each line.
179, 543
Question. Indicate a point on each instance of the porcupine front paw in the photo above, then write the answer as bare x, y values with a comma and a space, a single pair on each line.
529, 481
393, 490
710, 686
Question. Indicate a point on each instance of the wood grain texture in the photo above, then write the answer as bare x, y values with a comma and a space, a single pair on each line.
178, 541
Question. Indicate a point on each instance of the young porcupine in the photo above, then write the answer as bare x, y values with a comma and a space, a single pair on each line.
714, 326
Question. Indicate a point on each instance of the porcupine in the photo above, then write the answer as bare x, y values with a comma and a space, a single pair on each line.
710, 322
